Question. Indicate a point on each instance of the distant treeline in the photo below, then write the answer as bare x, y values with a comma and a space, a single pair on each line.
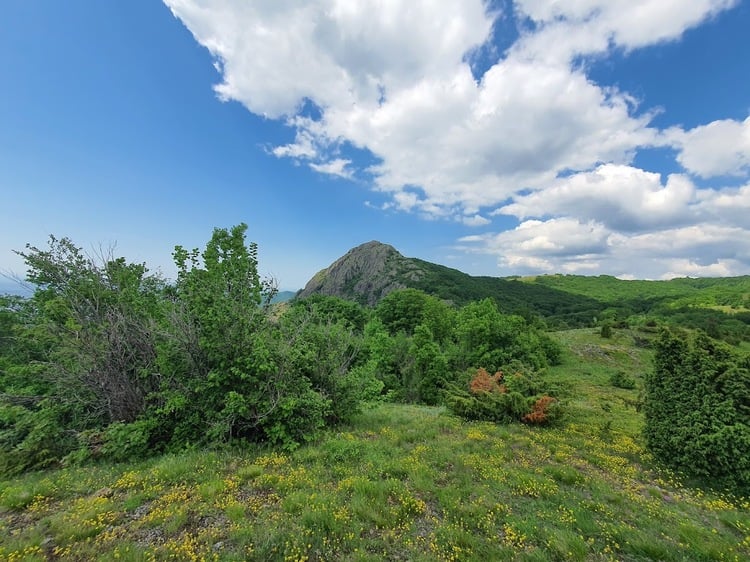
718, 306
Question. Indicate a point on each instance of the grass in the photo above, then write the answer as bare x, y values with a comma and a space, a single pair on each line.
400, 483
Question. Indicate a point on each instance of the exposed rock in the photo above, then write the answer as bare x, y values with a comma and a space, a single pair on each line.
366, 274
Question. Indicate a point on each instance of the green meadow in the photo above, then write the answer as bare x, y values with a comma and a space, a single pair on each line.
400, 482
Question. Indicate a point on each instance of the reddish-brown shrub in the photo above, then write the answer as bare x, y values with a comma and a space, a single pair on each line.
483, 382
539, 413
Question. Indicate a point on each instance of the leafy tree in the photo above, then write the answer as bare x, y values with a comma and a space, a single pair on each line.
327, 308
224, 367
430, 367
82, 352
404, 310
323, 346
487, 338
240, 371
388, 359
98, 317
107, 359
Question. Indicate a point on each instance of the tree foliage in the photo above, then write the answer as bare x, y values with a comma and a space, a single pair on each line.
486, 338
84, 352
697, 408
108, 360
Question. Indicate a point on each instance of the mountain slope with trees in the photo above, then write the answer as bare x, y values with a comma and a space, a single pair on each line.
367, 273
719, 306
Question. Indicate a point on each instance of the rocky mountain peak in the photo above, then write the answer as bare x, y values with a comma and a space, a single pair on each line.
366, 274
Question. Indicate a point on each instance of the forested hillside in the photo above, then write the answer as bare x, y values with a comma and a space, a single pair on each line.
719, 306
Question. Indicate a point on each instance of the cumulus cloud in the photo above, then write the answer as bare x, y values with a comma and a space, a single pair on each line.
531, 136
394, 79
275, 54
621, 197
551, 245
567, 28
476, 220
719, 148
727, 206
568, 245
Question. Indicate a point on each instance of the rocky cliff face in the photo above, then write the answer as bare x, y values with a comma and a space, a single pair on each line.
365, 274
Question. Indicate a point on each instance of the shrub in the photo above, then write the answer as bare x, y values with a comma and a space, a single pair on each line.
620, 379
128, 441
109, 361
32, 438
697, 409
483, 382
542, 411
518, 397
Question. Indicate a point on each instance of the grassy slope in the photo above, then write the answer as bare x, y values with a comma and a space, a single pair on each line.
401, 483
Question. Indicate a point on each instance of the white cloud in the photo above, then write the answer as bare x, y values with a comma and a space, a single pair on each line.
719, 148
533, 135
566, 28
569, 245
620, 197
688, 268
475, 220
727, 206
275, 54
338, 167
304, 146
473, 145
544, 245
392, 78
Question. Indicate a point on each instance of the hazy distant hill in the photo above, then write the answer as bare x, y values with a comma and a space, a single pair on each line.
11, 287
283, 296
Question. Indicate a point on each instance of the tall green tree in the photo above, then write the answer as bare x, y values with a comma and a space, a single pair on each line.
98, 316
240, 372
489, 339
405, 309
84, 353
220, 358
430, 367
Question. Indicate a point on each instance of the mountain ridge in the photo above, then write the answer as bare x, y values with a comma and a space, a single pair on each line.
368, 272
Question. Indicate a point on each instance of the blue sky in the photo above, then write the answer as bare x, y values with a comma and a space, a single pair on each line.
536, 136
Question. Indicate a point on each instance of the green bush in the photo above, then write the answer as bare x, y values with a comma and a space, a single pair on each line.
128, 441
697, 408
496, 407
32, 438
620, 379
109, 361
